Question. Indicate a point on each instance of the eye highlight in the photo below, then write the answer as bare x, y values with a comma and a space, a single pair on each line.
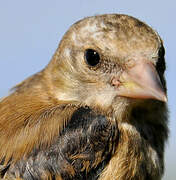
92, 57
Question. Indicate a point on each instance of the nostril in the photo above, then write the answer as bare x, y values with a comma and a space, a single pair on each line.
115, 82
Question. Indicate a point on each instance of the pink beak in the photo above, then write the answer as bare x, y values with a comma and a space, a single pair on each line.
141, 81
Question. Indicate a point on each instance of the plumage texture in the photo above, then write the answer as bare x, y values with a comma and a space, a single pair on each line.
100, 120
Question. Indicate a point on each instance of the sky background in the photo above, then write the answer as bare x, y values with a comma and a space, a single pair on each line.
31, 30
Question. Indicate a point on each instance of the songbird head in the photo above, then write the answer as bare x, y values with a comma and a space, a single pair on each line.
108, 61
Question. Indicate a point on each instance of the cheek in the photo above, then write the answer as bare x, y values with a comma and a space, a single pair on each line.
101, 98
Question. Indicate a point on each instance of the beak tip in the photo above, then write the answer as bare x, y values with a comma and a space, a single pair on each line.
165, 99
162, 97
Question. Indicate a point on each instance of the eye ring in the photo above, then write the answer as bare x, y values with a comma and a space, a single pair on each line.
92, 57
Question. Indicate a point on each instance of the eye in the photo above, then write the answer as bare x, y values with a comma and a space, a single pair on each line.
92, 57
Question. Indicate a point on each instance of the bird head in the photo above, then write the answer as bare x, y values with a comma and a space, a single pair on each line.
112, 63
109, 61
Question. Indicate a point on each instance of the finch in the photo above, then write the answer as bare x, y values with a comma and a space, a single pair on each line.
96, 111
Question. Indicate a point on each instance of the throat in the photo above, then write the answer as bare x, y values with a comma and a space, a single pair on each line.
135, 157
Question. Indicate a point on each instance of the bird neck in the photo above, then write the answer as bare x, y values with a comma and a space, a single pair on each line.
139, 153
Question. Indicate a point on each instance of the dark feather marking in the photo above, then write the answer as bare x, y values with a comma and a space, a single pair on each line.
82, 150
161, 65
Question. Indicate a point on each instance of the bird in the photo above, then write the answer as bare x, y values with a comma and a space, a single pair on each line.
98, 110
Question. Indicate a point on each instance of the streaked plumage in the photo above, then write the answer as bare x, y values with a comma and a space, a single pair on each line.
97, 111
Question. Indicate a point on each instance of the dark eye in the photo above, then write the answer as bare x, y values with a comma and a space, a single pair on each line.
92, 57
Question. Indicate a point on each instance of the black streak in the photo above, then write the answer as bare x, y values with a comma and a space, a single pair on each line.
86, 143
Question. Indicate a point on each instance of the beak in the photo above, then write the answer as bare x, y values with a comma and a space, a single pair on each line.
141, 81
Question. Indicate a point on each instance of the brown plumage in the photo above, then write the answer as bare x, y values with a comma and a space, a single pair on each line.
97, 111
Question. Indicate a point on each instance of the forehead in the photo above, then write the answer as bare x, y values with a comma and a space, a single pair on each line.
115, 34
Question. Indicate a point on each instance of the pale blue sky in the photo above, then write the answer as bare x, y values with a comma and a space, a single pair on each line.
31, 30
